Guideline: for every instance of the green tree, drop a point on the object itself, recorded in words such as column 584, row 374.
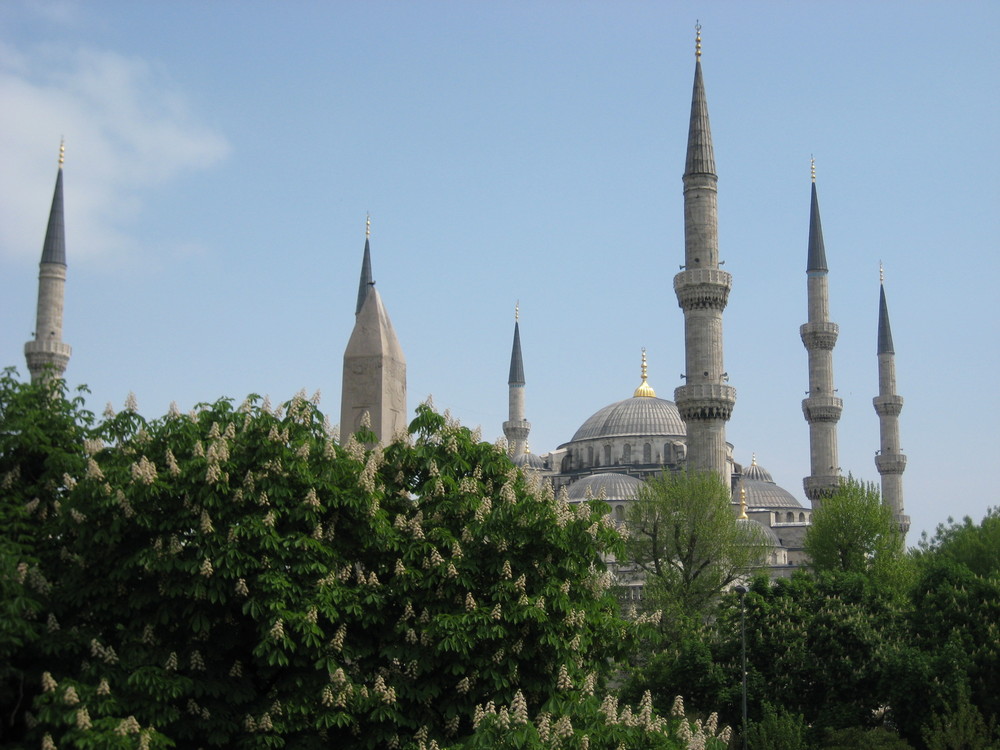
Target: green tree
column 853, row 532
column 235, row 578
column 684, row 537
column 778, row 730
column 977, row 546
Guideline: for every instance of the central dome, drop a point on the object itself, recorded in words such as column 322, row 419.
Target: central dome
column 639, row 415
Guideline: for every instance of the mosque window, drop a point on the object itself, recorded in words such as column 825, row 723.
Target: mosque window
column 619, row 513
column 790, row 517
column 627, row 453
column 590, row 455
column 802, row 517
column 647, row 454
column 607, row 455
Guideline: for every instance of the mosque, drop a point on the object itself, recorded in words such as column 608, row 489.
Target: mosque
column 620, row 445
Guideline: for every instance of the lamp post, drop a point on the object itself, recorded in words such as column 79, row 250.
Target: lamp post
column 742, row 591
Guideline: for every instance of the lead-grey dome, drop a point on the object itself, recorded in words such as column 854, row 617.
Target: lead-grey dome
column 615, row 486
column 640, row 415
column 762, row 494
column 528, row 460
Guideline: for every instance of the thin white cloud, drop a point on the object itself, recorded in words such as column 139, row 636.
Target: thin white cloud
column 127, row 128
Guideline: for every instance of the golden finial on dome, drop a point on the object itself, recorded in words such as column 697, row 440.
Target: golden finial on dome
column 645, row 390
column 812, row 167
column 527, row 448
column 753, row 459
column 368, row 226
column 697, row 40
column 743, row 502
column 62, row 152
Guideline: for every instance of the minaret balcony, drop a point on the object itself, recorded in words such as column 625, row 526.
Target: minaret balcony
column 820, row 335
column 890, row 463
column 44, row 349
column 888, row 406
column 822, row 408
column 818, row 487
column 703, row 288
column 705, row 401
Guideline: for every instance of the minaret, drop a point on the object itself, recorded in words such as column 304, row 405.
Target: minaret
column 48, row 355
column 374, row 365
column 706, row 402
column 889, row 461
column 516, row 428
column 821, row 408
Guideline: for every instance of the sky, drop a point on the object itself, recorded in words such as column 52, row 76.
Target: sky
column 221, row 159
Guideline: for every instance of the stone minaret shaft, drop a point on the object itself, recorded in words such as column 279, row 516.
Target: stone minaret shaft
column 374, row 367
column 821, row 408
column 48, row 354
column 516, row 428
column 706, row 401
column 889, row 461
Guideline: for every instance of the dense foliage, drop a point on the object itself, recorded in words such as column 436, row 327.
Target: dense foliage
column 233, row 577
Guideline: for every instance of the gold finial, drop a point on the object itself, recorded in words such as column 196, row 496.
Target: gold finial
column 812, row 167
column 753, row 459
column 527, row 448
column 517, row 311
column 881, row 273
column 697, row 40
column 62, row 152
column 368, row 226
column 743, row 502
column 645, row 390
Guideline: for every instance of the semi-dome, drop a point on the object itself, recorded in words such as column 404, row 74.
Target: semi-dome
column 529, row 460
column 615, row 487
column 762, row 492
column 761, row 529
column 639, row 415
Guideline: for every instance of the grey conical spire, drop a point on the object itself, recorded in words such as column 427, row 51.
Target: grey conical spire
column 700, row 156
column 54, row 249
column 366, row 282
column 516, row 376
column 817, row 252
column 884, row 331
column 47, row 355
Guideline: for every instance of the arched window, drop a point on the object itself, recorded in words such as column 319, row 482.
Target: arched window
column 790, row 517
column 647, row 454
column 777, row 518
column 607, row 455
column 619, row 513
column 802, row 517
column 590, row 455
column 627, row 453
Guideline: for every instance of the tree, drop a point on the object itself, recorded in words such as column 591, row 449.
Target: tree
column 853, row 532
column 233, row 577
column 977, row 546
column 685, row 539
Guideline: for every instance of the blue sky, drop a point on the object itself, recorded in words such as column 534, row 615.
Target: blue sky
column 221, row 159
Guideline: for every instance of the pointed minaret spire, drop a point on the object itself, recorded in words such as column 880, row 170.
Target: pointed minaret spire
column 366, row 283
column 822, row 408
column 516, row 428
column 374, row 380
column 890, row 460
column 706, row 401
column 47, row 355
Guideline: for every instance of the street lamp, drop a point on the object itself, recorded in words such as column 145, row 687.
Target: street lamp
column 742, row 591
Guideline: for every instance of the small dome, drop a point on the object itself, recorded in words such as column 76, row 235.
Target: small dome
column 768, row 532
column 756, row 471
column 768, row 495
column 528, row 460
column 644, row 416
column 615, row 486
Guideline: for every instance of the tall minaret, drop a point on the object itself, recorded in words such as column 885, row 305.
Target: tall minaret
column 48, row 354
column 889, row 461
column 374, row 365
column 821, row 408
column 706, row 401
column 516, row 428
